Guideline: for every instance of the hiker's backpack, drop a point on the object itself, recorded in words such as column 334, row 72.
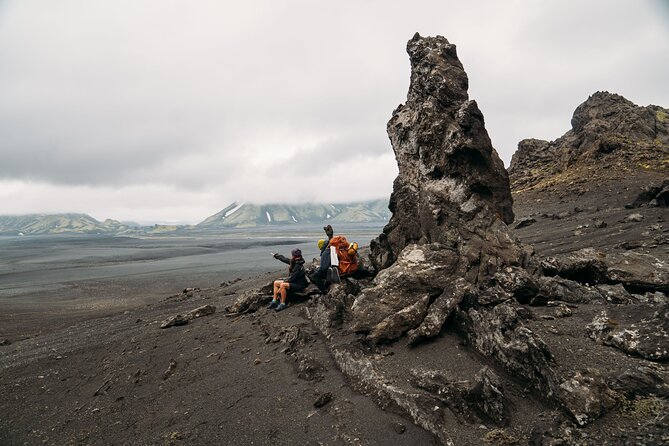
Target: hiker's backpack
column 347, row 255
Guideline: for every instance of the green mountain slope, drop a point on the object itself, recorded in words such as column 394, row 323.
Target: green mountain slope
column 58, row 224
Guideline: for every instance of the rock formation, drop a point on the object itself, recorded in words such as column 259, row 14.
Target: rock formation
column 451, row 202
column 448, row 259
column 606, row 129
column 451, row 187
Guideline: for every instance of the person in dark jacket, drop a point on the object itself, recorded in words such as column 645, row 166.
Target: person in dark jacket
column 296, row 281
column 318, row 277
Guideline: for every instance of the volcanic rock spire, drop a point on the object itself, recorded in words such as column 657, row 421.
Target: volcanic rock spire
column 451, row 181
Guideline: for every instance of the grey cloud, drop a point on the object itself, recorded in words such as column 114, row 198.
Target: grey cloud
column 219, row 96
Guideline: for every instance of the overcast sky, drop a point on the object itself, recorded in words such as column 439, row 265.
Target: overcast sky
column 170, row 110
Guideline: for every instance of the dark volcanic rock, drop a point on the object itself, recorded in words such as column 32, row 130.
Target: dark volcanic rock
column 605, row 128
column 635, row 271
column 499, row 333
column 422, row 271
column 654, row 196
column 640, row 381
column 451, row 183
column 479, row 399
column 647, row 337
column 450, row 203
column 586, row 396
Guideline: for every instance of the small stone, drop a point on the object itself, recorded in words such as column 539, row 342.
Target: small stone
column 323, row 400
column 257, row 361
column 174, row 321
column 634, row 218
column 399, row 427
column 204, row 310
column 563, row 311
column 599, row 224
column 5, row 342
column 524, row 222
column 170, row 369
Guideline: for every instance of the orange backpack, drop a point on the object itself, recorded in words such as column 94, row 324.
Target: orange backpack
column 346, row 253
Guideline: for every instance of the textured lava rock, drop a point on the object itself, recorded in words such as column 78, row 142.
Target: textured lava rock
column 451, row 184
column 586, row 396
column 653, row 196
column 635, row 271
column 647, row 337
column 499, row 333
column 421, row 271
column 481, row 399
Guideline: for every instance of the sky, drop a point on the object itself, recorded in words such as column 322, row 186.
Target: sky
column 168, row 111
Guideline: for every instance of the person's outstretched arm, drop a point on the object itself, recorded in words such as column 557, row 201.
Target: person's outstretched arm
column 329, row 231
column 282, row 258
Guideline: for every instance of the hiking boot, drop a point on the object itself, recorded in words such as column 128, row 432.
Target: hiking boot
column 272, row 304
column 280, row 307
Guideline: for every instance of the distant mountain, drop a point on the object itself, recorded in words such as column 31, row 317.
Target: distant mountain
column 242, row 215
column 58, row 224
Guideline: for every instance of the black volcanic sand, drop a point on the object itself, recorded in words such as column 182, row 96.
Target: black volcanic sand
column 238, row 380
column 103, row 381
column 51, row 282
column 566, row 216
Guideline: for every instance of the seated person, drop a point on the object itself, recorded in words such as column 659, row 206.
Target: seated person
column 318, row 277
column 297, row 280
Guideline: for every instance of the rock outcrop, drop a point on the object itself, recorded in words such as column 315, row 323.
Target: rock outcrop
column 606, row 129
column 452, row 187
column 451, row 202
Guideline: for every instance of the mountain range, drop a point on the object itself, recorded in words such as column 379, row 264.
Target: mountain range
column 243, row 215
column 236, row 215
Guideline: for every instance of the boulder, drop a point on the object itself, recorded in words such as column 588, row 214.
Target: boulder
column 635, row 271
column 638, row 271
column 586, row 396
column 420, row 271
column 640, row 381
column 481, row 399
column 204, row 310
column 179, row 319
column 653, row 195
column 174, row 321
column 524, row 222
column 648, row 337
column 634, row 218
column 564, row 290
column 500, row 334
column 615, row 294
column 251, row 300
column 518, row 282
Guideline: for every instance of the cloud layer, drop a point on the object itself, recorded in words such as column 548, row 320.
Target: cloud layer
column 169, row 110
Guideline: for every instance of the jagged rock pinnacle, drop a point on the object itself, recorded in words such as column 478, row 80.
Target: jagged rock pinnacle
column 451, row 181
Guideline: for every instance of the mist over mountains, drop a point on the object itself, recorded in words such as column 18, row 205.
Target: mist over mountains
column 236, row 215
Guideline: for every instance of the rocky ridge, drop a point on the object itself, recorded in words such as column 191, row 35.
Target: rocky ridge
column 607, row 131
